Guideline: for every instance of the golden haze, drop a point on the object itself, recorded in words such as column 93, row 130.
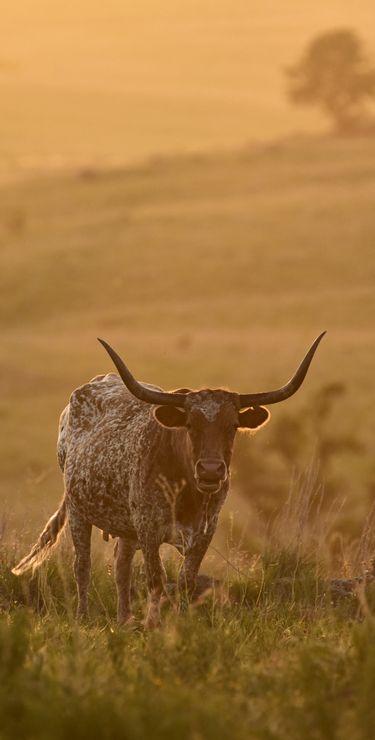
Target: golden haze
column 215, row 269
column 121, row 81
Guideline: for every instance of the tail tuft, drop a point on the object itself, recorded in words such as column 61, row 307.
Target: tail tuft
column 47, row 539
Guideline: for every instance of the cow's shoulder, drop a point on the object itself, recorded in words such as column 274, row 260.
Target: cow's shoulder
column 101, row 406
column 104, row 399
column 85, row 407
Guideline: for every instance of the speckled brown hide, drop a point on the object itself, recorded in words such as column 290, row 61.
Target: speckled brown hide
column 128, row 472
column 133, row 478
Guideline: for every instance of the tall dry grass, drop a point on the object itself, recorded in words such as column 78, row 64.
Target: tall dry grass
column 265, row 654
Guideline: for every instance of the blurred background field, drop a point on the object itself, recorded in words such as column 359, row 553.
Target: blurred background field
column 80, row 82
column 214, row 270
column 158, row 189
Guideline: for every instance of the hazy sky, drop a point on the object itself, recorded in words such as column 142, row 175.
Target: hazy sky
column 120, row 80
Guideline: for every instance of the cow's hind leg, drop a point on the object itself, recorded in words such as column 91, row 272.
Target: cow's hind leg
column 124, row 553
column 81, row 536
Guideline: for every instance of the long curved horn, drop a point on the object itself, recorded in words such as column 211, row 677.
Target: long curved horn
column 140, row 391
column 254, row 399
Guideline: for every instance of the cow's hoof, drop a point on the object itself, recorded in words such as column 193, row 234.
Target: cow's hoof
column 82, row 616
column 205, row 584
column 128, row 621
column 152, row 622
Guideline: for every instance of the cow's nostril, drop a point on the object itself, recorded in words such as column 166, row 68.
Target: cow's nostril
column 210, row 469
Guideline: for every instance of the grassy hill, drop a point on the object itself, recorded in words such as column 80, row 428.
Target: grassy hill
column 213, row 270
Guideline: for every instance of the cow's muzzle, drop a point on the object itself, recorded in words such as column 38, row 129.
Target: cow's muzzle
column 210, row 474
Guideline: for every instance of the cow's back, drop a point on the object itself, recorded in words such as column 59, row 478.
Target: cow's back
column 101, row 423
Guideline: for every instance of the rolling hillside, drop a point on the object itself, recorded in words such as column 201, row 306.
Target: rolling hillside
column 213, row 270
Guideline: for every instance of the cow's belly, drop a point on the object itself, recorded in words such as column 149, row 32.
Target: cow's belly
column 103, row 509
column 117, row 524
column 115, row 520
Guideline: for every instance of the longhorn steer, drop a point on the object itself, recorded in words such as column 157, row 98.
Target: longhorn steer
column 147, row 467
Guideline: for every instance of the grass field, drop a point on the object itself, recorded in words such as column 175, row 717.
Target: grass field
column 214, row 270
column 271, row 653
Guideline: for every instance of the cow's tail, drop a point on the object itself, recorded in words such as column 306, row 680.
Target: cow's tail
column 46, row 540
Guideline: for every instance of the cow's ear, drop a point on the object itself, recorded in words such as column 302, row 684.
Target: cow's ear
column 170, row 416
column 254, row 418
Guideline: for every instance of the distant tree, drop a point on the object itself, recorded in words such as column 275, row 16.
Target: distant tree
column 335, row 74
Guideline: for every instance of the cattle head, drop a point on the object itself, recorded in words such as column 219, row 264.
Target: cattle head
column 210, row 418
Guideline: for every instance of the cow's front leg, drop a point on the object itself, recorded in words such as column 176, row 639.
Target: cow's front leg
column 124, row 553
column 193, row 558
column 81, row 536
column 156, row 579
